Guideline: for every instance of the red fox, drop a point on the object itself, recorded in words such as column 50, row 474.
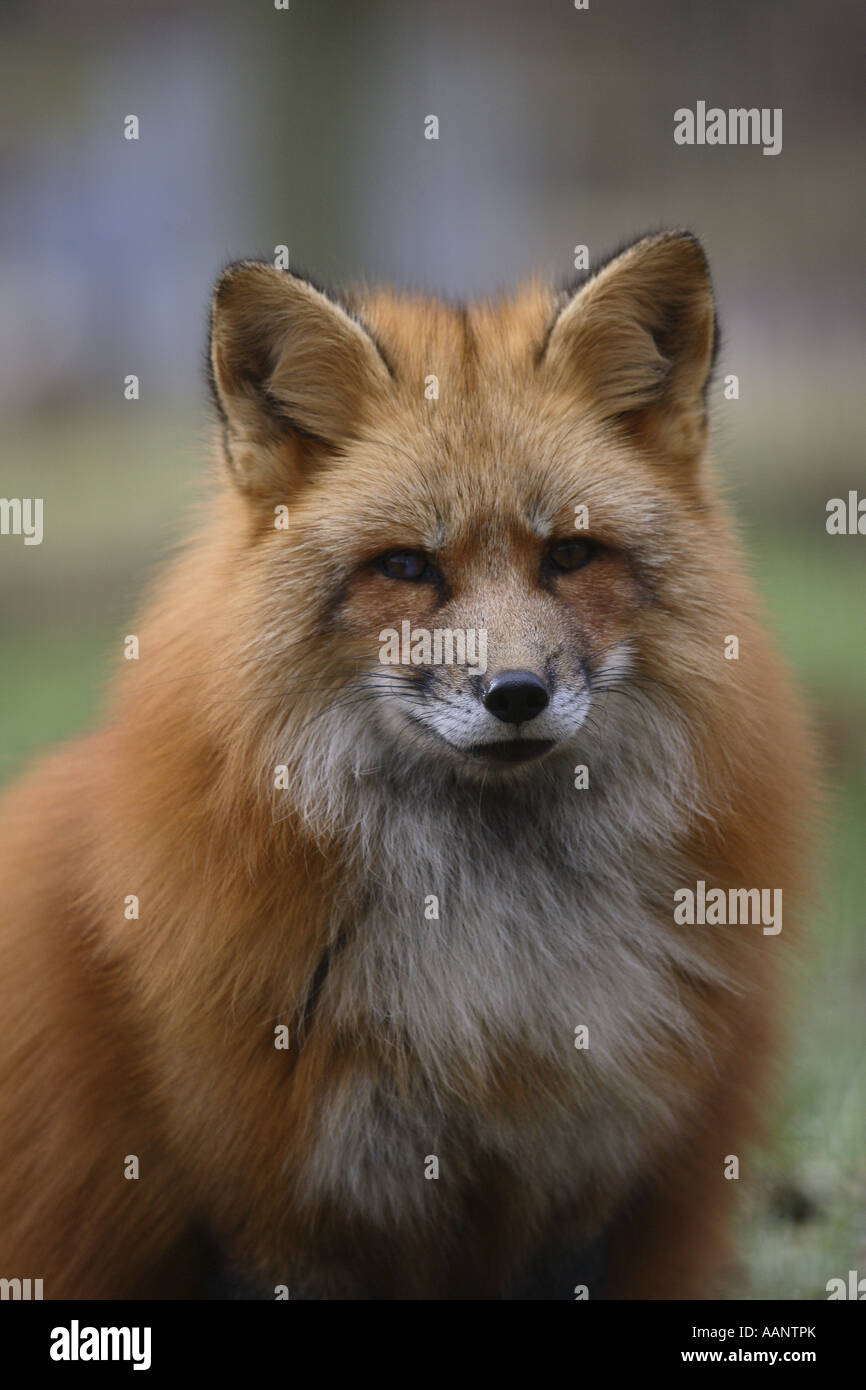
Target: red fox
column 351, row 972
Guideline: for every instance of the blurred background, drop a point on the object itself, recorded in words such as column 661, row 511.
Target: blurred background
column 305, row 128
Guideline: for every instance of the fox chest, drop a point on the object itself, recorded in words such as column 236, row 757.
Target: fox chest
column 510, row 1041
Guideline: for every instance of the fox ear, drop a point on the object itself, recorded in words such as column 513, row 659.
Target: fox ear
column 638, row 341
column 292, row 372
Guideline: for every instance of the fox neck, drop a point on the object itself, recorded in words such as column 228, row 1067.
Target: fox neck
column 476, row 900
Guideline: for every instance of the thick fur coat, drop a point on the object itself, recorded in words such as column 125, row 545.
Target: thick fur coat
column 319, row 854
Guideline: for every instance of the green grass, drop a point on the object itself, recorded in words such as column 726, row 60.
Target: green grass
column 52, row 687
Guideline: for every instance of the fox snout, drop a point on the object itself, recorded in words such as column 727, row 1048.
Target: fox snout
column 511, row 714
column 515, row 697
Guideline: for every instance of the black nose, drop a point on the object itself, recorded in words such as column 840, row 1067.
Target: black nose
column 515, row 696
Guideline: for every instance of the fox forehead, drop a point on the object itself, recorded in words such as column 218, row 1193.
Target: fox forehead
column 499, row 470
column 464, row 435
column 470, row 439
column 487, row 337
column 540, row 413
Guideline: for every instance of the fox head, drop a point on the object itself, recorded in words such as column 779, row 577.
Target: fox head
column 474, row 537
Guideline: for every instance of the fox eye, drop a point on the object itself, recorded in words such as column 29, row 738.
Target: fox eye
column 571, row 554
column 411, row 565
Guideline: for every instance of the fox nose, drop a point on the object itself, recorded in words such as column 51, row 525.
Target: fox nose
column 516, row 696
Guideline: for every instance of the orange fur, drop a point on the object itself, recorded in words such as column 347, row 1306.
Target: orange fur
column 155, row 1037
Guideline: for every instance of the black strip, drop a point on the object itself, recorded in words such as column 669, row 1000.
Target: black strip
column 328, row 959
